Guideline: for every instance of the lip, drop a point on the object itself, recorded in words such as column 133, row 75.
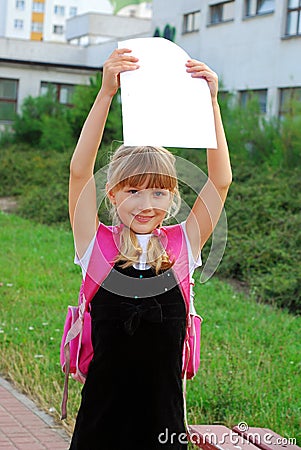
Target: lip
column 143, row 219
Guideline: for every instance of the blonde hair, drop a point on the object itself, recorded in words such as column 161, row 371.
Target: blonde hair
column 136, row 166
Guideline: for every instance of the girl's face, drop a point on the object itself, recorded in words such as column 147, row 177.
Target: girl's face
column 141, row 208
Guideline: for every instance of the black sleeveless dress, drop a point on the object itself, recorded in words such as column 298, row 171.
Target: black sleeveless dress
column 132, row 398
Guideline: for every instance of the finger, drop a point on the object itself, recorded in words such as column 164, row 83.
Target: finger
column 194, row 62
column 117, row 59
column 120, row 51
column 192, row 65
column 128, row 58
column 198, row 68
column 205, row 74
column 123, row 62
column 116, row 64
column 117, row 68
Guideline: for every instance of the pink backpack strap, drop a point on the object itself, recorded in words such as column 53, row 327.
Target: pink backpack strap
column 176, row 248
column 104, row 252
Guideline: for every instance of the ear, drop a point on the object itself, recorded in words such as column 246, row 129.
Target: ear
column 111, row 195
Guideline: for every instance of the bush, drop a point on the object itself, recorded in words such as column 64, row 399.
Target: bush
column 39, row 179
column 56, row 135
column 287, row 142
column 263, row 249
column 83, row 99
column 43, row 123
column 45, row 204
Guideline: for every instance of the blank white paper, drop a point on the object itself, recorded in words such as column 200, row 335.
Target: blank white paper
column 162, row 105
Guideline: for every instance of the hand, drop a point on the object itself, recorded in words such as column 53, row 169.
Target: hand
column 200, row 70
column 119, row 61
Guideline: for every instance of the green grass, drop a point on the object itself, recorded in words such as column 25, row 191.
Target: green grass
column 250, row 358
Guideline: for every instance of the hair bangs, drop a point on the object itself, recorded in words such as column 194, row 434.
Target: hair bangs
column 150, row 180
column 146, row 167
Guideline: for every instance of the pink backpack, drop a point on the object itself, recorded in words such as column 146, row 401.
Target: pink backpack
column 76, row 346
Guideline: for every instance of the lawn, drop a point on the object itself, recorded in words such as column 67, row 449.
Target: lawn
column 250, row 358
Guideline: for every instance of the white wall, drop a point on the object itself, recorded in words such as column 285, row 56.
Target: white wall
column 32, row 62
column 83, row 6
column 45, row 52
column 246, row 53
column 9, row 13
column 142, row 10
column 2, row 17
column 30, row 78
column 105, row 25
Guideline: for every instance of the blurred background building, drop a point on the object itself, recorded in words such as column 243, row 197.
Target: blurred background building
column 254, row 45
column 44, row 19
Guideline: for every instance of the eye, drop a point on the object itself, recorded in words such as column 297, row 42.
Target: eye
column 160, row 193
column 132, row 191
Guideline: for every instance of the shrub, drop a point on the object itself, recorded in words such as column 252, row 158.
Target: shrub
column 56, row 134
column 288, row 141
column 83, row 99
column 45, row 204
column 263, row 249
column 43, row 123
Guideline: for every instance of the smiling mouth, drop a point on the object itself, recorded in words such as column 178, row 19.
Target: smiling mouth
column 143, row 219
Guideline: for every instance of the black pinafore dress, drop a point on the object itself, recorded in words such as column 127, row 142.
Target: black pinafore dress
column 132, row 398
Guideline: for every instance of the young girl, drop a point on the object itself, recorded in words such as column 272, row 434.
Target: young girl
column 132, row 398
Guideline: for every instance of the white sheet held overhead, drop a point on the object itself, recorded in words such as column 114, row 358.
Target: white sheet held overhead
column 162, row 105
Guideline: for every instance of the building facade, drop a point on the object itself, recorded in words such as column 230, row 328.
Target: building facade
column 28, row 67
column 44, row 19
column 252, row 44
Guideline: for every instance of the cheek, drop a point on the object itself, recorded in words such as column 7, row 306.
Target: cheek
column 166, row 204
column 124, row 204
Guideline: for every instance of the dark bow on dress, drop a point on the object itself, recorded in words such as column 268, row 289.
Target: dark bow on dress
column 149, row 310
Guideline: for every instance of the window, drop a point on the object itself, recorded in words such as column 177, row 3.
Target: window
column 265, row 6
column 59, row 10
column 259, row 94
column 63, row 92
column 287, row 97
column 38, row 7
column 8, row 99
column 37, row 27
column 293, row 22
column 191, row 22
column 258, row 7
column 20, row 4
column 72, row 11
column 18, row 24
column 222, row 12
column 248, row 8
column 58, row 29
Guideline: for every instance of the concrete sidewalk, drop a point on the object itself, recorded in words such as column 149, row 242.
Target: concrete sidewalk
column 24, row 427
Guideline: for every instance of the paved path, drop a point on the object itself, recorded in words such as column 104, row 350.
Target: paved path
column 24, row 427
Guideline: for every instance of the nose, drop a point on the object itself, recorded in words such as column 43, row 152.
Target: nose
column 145, row 201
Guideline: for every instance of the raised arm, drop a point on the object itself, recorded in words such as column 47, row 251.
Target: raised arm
column 82, row 195
column 210, row 201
